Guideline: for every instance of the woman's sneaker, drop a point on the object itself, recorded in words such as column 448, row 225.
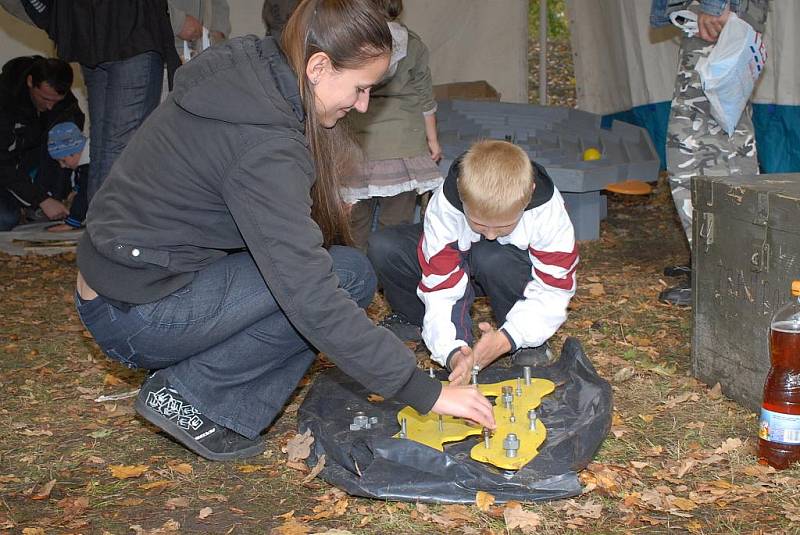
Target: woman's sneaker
column 161, row 405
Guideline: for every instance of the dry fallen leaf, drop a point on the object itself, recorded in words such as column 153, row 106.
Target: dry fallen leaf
column 516, row 517
column 44, row 491
column 729, row 445
column 484, row 500
column 205, row 512
column 646, row 418
column 125, row 472
column 316, row 470
column 158, row 484
column 292, row 527
column 595, row 289
column 112, row 380
column 624, row 374
column 170, row 526
column 33, row 531
column 250, row 468
column 299, row 447
column 176, row 503
column 716, row 392
column 682, row 503
column 182, row 468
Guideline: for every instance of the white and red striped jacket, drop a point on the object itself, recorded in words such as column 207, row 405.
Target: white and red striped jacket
column 544, row 230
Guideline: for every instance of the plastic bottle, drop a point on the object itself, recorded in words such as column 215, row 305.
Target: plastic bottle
column 779, row 428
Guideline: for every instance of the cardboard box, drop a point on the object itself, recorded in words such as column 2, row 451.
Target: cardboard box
column 478, row 90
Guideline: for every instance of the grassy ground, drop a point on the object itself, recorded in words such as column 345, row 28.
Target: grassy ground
column 680, row 456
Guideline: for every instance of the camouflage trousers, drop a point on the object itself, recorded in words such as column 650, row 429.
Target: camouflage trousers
column 696, row 144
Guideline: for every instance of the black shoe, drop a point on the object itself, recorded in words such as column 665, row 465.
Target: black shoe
column 533, row 356
column 165, row 408
column 678, row 271
column 680, row 295
column 401, row 328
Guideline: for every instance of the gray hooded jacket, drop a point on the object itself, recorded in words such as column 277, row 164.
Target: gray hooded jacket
column 223, row 164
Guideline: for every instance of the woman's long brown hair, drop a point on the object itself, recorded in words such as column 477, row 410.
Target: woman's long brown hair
column 350, row 32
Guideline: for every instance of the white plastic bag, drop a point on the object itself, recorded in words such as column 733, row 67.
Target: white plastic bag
column 731, row 70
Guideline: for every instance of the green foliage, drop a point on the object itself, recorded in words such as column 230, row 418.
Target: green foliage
column 557, row 26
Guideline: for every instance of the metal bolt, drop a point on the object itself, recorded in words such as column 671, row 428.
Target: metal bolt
column 430, row 372
column 511, row 445
column 526, row 373
column 360, row 421
column 403, row 428
column 532, row 418
column 519, row 386
column 508, row 396
column 475, row 370
column 486, row 437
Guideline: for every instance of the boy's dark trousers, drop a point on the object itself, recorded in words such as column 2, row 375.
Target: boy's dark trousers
column 497, row 271
column 80, row 204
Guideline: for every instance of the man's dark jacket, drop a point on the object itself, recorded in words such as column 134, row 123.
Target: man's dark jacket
column 224, row 164
column 23, row 137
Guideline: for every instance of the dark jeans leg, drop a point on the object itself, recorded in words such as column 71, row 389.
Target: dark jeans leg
column 222, row 340
column 9, row 210
column 501, row 273
column 393, row 253
column 125, row 92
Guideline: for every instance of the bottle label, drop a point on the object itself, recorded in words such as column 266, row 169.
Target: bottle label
column 779, row 427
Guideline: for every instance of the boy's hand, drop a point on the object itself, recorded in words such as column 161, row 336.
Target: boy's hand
column 465, row 401
column 461, row 362
column 491, row 345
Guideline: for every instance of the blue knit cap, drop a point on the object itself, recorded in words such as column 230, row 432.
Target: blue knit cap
column 64, row 140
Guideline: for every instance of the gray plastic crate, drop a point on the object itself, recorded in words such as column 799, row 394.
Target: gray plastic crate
column 555, row 138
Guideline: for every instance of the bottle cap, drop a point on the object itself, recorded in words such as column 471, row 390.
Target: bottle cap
column 796, row 288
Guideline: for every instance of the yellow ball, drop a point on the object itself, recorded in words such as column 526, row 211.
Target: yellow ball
column 591, row 154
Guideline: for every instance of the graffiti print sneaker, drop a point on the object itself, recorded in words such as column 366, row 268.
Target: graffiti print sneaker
column 162, row 405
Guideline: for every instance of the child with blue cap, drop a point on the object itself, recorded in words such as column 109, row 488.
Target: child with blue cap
column 68, row 146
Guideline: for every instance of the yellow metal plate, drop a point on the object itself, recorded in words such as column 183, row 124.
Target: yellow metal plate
column 435, row 431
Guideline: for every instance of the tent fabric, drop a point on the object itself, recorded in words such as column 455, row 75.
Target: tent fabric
column 470, row 41
column 370, row 463
column 626, row 70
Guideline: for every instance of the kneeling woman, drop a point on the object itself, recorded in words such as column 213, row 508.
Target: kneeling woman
column 208, row 255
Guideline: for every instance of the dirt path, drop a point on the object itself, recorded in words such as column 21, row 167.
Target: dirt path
column 679, row 456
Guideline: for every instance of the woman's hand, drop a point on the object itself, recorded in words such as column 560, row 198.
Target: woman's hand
column 467, row 402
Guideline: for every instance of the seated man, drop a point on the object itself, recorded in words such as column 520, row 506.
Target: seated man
column 498, row 226
column 34, row 96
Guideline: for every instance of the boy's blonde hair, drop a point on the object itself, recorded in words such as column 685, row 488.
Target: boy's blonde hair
column 496, row 179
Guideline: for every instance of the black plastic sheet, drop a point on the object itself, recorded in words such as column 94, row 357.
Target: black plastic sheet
column 370, row 463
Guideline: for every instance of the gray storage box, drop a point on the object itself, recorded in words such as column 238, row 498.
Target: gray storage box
column 555, row 138
column 746, row 252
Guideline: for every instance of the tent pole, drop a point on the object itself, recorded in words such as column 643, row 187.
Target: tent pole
column 543, row 52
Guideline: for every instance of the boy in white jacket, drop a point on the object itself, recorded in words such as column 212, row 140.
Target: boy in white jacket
column 497, row 227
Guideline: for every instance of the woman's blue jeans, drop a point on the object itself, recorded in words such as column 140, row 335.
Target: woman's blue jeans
column 222, row 340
